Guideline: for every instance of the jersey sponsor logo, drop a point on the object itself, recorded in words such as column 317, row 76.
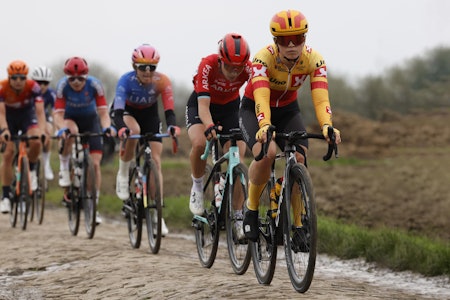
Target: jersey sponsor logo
column 298, row 79
column 205, row 74
column 260, row 117
column 321, row 72
column 320, row 63
column 328, row 109
column 259, row 70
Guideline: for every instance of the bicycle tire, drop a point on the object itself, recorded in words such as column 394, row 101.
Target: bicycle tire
column 264, row 250
column 38, row 201
column 13, row 211
column 73, row 205
column 206, row 226
column 133, row 209
column 89, row 197
column 23, row 203
column 238, row 251
column 300, row 253
column 153, row 207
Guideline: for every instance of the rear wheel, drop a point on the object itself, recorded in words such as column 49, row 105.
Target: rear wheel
column 264, row 250
column 134, row 210
column 238, row 250
column 206, row 226
column 89, row 198
column 38, row 201
column 152, row 207
column 300, row 229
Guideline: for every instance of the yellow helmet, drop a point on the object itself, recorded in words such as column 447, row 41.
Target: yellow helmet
column 288, row 22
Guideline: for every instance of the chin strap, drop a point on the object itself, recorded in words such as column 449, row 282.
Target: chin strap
column 291, row 60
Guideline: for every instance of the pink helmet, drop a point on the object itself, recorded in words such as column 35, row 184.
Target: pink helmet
column 145, row 54
column 76, row 66
column 234, row 50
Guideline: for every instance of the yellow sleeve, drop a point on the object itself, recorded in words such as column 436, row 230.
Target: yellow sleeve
column 322, row 106
column 262, row 105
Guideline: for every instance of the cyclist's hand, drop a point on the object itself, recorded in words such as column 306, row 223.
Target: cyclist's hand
column 173, row 130
column 4, row 135
column 110, row 131
column 261, row 135
column 337, row 134
column 63, row 133
column 123, row 133
column 212, row 131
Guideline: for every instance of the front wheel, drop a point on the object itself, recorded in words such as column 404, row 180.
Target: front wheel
column 235, row 195
column 23, row 199
column 89, row 196
column 206, row 226
column 300, row 228
column 152, row 206
column 38, row 201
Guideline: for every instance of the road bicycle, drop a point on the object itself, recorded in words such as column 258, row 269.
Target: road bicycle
column 145, row 193
column 23, row 198
column 82, row 191
column 218, row 217
column 287, row 215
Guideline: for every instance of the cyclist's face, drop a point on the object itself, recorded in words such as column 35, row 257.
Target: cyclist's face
column 145, row 73
column 77, row 83
column 290, row 47
column 231, row 72
column 17, row 81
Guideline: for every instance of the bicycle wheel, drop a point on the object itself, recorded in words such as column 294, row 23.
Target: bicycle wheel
column 23, row 202
column 206, row 226
column 89, row 197
column 152, row 206
column 133, row 209
column 72, row 199
column 13, row 198
column 300, row 242
column 238, row 250
column 264, row 250
column 38, row 201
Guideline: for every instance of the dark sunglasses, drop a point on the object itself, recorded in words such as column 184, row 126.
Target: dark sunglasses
column 41, row 82
column 19, row 76
column 295, row 39
column 79, row 78
column 144, row 67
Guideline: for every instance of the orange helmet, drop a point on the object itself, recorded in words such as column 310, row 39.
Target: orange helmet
column 145, row 54
column 17, row 67
column 288, row 22
column 76, row 66
column 234, row 50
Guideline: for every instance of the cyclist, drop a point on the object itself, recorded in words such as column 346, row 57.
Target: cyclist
column 43, row 76
column 270, row 97
column 81, row 107
column 215, row 100
column 135, row 111
column 21, row 109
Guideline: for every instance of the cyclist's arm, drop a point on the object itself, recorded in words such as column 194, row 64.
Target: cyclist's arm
column 103, row 114
column 40, row 114
column 165, row 87
column 203, row 110
column 261, row 94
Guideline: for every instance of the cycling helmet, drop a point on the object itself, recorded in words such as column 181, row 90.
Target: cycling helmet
column 17, row 67
column 145, row 54
column 76, row 66
column 234, row 50
column 42, row 73
column 288, row 22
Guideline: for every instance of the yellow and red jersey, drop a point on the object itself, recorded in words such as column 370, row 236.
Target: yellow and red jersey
column 272, row 82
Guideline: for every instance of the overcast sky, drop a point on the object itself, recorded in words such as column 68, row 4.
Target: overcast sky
column 356, row 38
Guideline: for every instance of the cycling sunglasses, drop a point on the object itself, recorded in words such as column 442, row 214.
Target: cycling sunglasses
column 146, row 67
column 79, row 78
column 18, row 76
column 42, row 82
column 295, row 39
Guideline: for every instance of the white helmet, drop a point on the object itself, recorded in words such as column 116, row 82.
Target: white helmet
column 42, row 73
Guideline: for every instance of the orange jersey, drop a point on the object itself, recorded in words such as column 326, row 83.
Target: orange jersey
column 30, row 94
column 270, row 73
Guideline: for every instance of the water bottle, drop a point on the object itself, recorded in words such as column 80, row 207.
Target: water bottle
column 275, row 195
column 218, row 189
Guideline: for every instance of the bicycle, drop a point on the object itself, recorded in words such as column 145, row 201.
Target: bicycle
column 145, row 193
column 81, row 193
column 276, row 218
column 23, row 197
column 215, row 217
